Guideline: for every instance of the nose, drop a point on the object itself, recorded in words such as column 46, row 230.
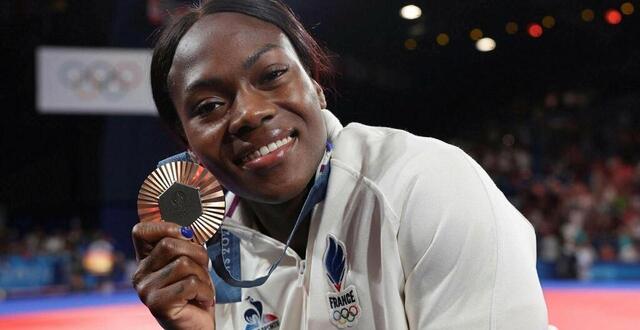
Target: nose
column 249, row 111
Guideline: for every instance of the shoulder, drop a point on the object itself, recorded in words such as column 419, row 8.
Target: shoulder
column 429, row 185
column 370, row 148
column 183, row 156
column 396, row 160
column 457, row 233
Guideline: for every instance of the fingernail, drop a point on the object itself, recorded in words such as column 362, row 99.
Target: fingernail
column 187, row 232
column 207, row 304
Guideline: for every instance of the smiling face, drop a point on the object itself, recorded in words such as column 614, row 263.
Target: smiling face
column 248, row 108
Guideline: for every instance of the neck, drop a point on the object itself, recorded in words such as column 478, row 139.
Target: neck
column 277, row 220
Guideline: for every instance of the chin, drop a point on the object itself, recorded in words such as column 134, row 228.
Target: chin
column 272, row 191
column 280, row 195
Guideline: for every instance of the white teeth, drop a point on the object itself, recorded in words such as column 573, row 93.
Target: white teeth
column 265, row 150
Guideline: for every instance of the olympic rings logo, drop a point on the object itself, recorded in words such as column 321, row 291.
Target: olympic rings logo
column 111, row 80
column 346, row 314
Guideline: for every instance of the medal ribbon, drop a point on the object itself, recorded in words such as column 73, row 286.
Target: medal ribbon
column 315, row 196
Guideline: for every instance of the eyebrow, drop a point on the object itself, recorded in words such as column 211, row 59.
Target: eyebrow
column 203, row 84
column 251, row 60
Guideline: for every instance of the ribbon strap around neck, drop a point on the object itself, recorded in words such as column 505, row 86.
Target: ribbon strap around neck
column 315, row 196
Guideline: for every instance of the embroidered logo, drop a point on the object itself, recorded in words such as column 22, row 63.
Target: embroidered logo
column 256, row 320
column 344, row 306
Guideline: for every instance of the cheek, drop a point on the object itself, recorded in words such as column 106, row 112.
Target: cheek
column 204, row 138
column 306, row 104
column 312, row 112
column 301, row 89
column 311, row 97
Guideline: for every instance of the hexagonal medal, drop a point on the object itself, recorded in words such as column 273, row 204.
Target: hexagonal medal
column 184, row 193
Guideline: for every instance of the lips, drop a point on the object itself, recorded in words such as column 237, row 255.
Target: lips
column 267, row 149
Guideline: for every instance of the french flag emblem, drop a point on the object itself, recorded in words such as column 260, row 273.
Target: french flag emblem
column 335, row 262
column 343, row 303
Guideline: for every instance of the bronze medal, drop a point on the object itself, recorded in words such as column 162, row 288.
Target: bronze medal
column 184, row 193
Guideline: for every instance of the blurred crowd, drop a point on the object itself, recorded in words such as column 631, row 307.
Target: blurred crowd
column 73, row 260
column 576, row 177
column 591, row 218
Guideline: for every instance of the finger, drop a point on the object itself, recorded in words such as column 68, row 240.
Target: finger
column 177, row 270
column 146, row 234
column 169, row 249
column 166, row 302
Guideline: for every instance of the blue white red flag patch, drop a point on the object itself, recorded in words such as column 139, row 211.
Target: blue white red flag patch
column 344, row 306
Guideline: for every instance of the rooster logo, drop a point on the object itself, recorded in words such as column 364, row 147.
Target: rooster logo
column 255, row 320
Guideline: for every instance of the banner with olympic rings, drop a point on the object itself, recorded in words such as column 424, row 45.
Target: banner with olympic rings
column 93, row 81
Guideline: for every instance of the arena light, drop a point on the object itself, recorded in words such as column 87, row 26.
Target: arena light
column 410, row 12
column 410, row 44
column 98, row 261
column 612, row 16
column 587, row 15
column 534, row 30
column 485, row 45
column 511, row 28
column 548, row 22
column 442, row 39
column 476, row 34
column 627, row 8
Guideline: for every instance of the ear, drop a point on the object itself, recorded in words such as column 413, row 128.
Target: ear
column 320, row 94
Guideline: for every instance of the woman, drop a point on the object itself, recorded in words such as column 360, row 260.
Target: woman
column 398, row 231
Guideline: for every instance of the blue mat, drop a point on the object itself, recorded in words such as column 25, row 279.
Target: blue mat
column 11, row 307
column 579, row 285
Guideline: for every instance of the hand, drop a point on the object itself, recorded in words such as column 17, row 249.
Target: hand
column 172, row 278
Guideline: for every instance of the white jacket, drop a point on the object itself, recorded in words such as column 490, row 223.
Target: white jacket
column 412, row 234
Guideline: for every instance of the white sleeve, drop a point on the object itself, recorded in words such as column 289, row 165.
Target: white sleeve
column 468, row 255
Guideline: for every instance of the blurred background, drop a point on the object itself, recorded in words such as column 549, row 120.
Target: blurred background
column 544, row 94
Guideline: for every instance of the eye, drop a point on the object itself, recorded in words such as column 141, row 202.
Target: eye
column 274, row 72
column 207, row 106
